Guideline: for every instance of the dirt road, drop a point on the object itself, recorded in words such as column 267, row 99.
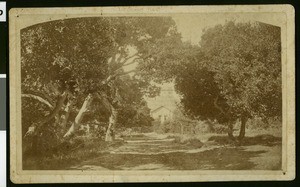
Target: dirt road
column 151, row 153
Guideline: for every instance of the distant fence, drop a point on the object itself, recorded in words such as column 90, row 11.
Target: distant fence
column 182, row 127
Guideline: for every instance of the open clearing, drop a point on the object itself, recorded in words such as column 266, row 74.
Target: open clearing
column 156, row 153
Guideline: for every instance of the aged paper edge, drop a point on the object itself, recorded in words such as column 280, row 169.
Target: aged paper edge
column 17, row 175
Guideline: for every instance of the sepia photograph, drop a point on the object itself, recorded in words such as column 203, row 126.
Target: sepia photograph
column 137, row 94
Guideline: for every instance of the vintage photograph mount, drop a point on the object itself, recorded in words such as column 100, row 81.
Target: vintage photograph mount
column 152, row 94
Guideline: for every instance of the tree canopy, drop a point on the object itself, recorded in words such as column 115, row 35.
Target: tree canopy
column 234, row 73
column 73, row 71
column 73, row 68
column 237, row 74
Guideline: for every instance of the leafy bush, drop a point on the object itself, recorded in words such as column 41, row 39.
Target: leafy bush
column 220, row 129
column 194, row 142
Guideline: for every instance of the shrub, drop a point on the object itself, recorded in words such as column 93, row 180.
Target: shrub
column 194, row 142
column 220, row 129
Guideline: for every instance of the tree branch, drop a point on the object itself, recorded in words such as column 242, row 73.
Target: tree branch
column 39, row 94
column 118, row 60
column 111, row 77
column 127, row 72
column 84, row 108
column 108, row 79
column 42, row 100
column 132, row 62
column 129, row 57
column 113, row 59
column 33, row 128
column 57, row 108
column 123, row 63
column 103, row 98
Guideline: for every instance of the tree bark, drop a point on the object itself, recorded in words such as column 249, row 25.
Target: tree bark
column 230, row 131
column 181, row 128
column 57, row 108
column 243, row 128
column 110, row 136
column 40, row 99
column 80, row 115
column 66, row 115
column 32, row 129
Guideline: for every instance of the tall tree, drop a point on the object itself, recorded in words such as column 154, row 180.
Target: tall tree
column 64, row 59
column 237, row 74
column 73, row 61
column 234, row 73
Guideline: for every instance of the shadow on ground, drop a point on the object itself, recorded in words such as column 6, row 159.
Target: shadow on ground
column 219, row 158
column 222, row 155
column 261, row 152
column 265, row 140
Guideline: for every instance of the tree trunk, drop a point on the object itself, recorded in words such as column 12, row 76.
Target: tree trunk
column 80, row 115
column 230, row 131
column 181, row 129
column 110, row 136
column 33, row 128
column 243, row 128
column 57, row 108
column 66, row 115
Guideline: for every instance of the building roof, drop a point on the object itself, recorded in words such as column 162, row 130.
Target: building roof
column 159, row 108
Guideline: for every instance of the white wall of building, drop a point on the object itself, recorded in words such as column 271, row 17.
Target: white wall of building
column 162, row 114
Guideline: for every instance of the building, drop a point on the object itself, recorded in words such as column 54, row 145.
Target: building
column 167, row 97
column 162, row 114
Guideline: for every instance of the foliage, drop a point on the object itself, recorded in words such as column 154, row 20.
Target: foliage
column 71, row 54
column 246, row 61
column 83, row 56
column 236, row 71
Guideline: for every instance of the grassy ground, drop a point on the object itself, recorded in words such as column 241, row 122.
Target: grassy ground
column 213, row 152
column 217, row 158
column 84, row 151
column 185, row 152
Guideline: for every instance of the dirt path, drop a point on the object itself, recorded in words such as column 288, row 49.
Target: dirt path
column 269, row 160
column 152, row 153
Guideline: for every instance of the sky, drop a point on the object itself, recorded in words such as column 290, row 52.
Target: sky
column 191, row 25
